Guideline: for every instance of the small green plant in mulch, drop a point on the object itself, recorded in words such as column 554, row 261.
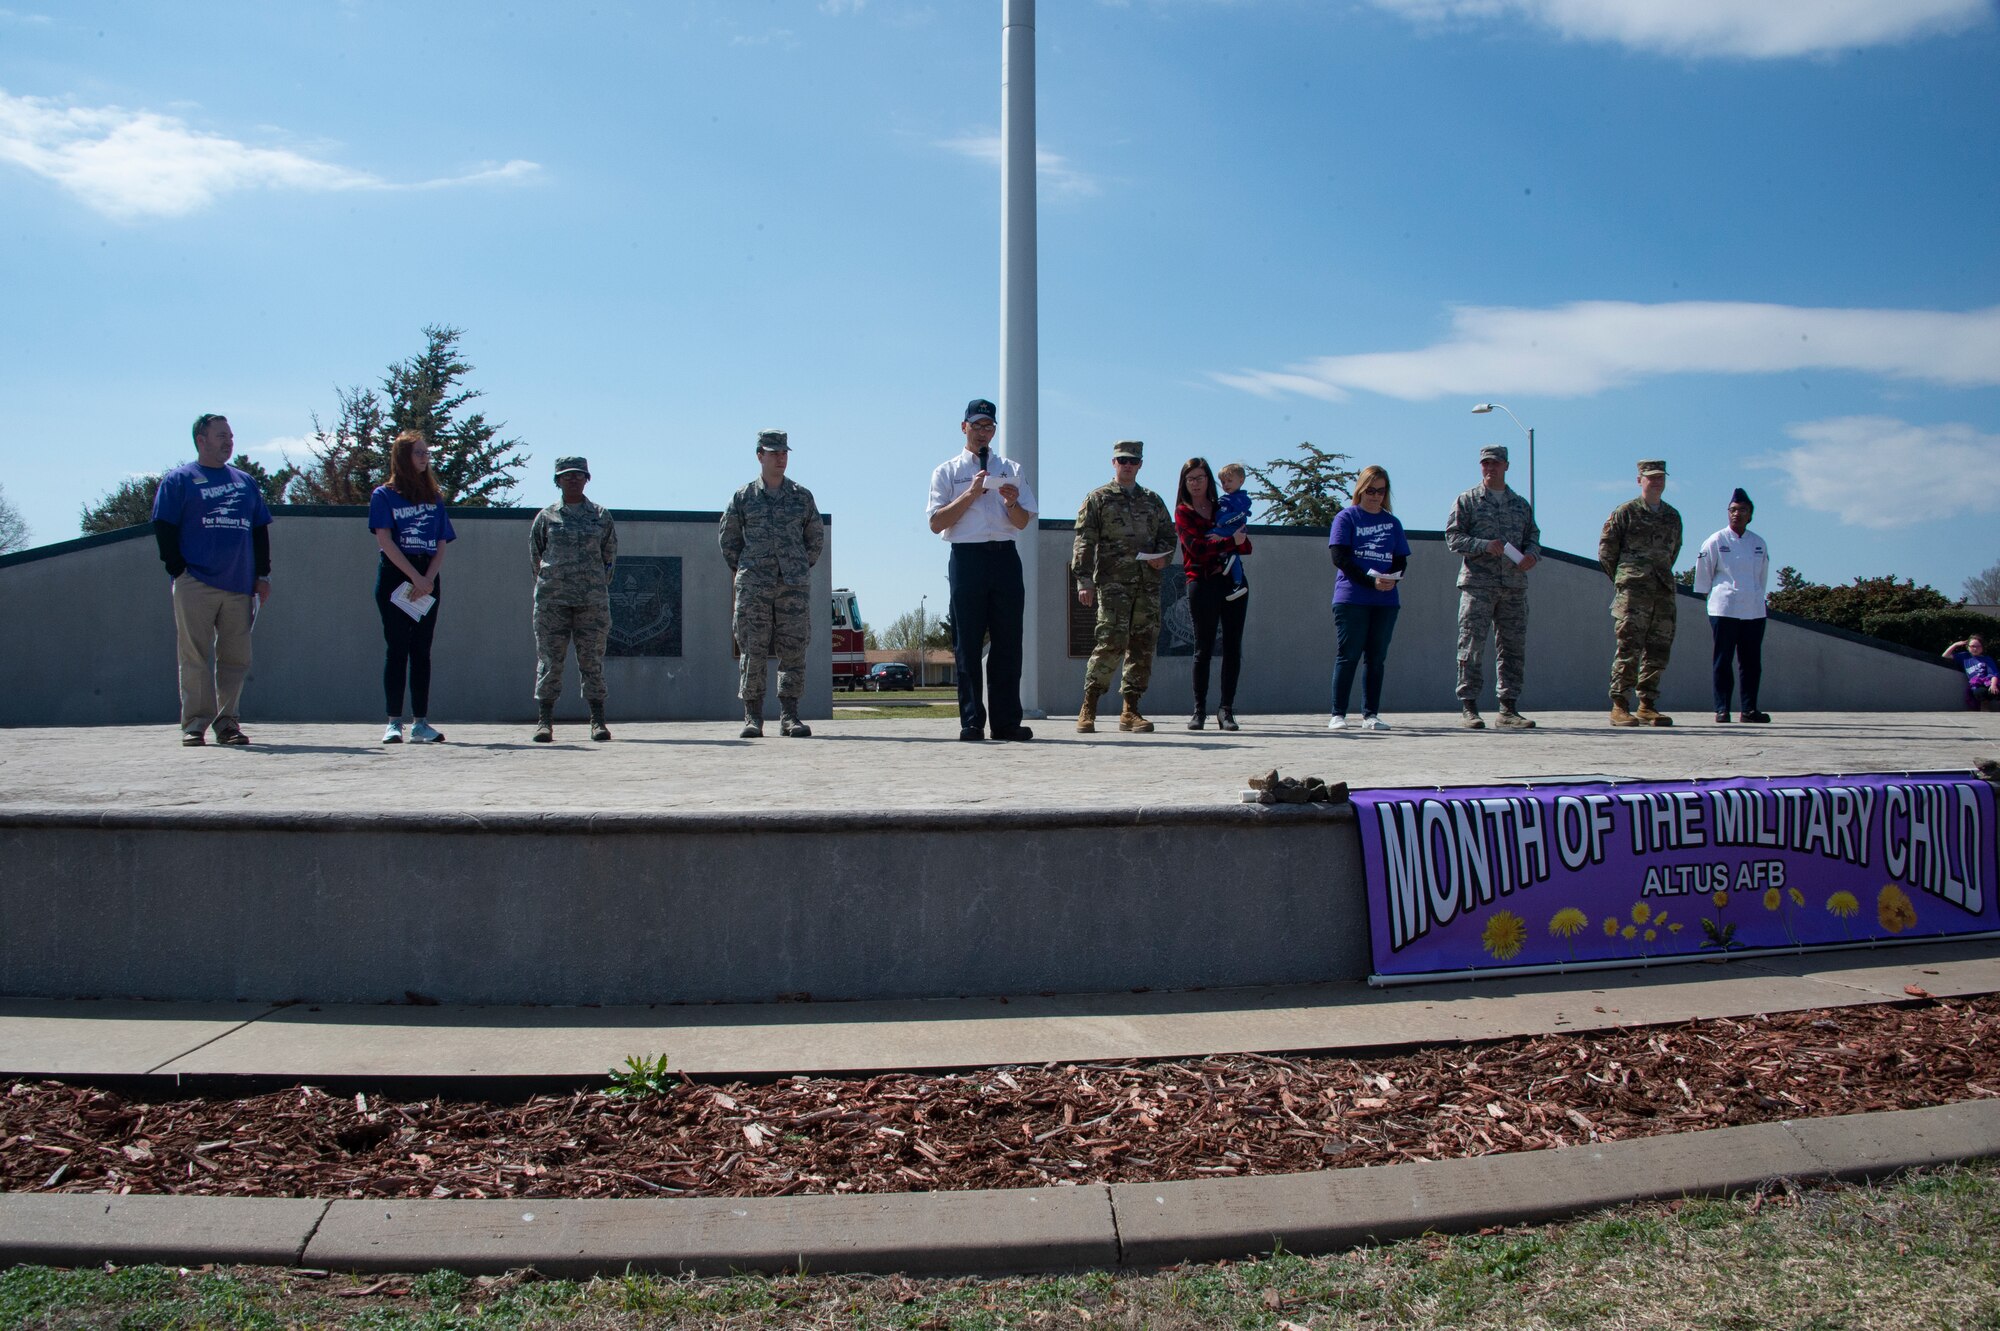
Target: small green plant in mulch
column 641, row 1078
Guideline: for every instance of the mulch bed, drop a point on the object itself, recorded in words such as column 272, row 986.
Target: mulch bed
column 1014, row 1127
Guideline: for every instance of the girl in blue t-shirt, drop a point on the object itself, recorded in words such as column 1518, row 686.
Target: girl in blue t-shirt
column 411, row 527
column 1982, row 676
column 1369, row 552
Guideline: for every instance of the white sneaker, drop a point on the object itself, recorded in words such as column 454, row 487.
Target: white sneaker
column 393, row 734
column 1373, row 722
column 1337, row 723
column 424, row 733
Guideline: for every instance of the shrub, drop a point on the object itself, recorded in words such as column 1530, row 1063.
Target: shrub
column 1932, row 630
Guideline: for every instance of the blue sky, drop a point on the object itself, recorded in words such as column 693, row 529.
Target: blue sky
column 1757, row 240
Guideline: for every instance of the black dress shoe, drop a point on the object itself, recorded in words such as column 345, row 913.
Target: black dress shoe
column 1758, row 718
column 1017, row 735
column 1722, row 718
column 972, row 735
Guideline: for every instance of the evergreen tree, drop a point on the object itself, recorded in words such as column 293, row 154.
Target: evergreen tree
column 349, row 461
column 1306, row 491
column 273, row 484
column 474, row 467
column 129, row 504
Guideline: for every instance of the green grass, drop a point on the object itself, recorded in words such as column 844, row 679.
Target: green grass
column 936, row 710
column 1919, row 1253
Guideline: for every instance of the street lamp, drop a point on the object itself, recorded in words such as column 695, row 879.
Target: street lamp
column 1485, row 407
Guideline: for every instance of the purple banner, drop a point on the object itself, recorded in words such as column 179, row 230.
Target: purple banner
column 1502, row 878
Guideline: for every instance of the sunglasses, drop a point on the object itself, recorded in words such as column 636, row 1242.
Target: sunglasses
column 1376, row 490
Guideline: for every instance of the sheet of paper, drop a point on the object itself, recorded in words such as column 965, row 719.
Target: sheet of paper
column 1513, row 553
column 1153, row 554
column 1388, row 577
column 414, row 608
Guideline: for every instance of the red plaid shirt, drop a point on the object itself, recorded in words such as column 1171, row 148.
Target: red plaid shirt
column 1203, row 556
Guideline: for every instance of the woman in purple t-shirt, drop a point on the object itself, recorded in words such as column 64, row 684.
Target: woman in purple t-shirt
column 1369, row 552
column 412, row 530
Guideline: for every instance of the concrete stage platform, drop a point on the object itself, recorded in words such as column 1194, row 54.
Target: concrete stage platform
column 882, row 859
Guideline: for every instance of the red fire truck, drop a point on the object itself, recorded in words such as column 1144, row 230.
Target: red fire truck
column 850, row 659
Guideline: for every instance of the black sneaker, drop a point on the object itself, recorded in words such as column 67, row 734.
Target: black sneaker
column 1758, row 718
column 1017, row 735
column 1722, row 718
column 969, row 735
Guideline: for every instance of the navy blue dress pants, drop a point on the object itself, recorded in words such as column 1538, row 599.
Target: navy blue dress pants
column 1737, row 641
column 987, row 602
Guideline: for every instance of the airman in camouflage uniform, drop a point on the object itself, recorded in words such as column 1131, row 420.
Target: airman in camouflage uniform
column 1492, row 589
column 1117, row 523
column 772, row 536
column 1637, row 549
column 573, row 543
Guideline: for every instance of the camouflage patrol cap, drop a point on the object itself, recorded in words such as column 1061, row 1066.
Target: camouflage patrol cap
column 1493, row 453
column 1128, row 448
column 773, row 441
column 567, row 465
column 1652, row 467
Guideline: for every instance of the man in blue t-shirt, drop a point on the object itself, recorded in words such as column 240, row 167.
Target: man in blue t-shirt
column 214, row 532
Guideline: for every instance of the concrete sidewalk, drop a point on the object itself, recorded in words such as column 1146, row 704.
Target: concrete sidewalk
column 988, row 1233
column 915, row 763
column 217, row 1044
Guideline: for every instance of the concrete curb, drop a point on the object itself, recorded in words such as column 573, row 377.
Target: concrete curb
column 504, row 822
column 986, row 1233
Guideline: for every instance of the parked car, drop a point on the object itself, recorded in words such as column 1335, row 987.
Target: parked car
column 890, row 675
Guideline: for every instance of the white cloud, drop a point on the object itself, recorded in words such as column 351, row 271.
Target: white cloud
column 132, row 165
column 1582, row 348
column 1052, row 170
column 286, row 448
column 25, row 20
column 1876, row 471
column 1755, row 29
column 838, row 7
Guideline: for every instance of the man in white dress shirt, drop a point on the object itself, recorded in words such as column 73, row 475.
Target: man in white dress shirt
column 979, row 503
column 1732, row 570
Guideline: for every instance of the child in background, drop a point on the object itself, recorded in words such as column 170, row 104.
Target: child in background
column 1982, row 675
column 1232, row 515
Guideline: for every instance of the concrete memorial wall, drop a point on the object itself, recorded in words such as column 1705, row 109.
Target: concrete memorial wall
column 101, row 651
column 102, row 648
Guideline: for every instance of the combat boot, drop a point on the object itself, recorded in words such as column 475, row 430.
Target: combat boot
column 545, row 723
column 789, row 724
column 1086, row 716
column 1130, row 721
column 1621, row 713
column 1468, row 716
column 1646, row 716
column 753, row 721
column 1512, row 720
column 598, row 730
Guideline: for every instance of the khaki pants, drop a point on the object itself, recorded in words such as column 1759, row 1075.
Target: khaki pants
column 213, row 627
